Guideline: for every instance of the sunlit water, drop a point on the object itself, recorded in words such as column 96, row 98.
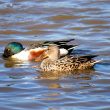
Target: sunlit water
column 29, row 21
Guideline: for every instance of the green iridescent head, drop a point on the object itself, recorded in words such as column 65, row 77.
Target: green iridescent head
column 12, row 48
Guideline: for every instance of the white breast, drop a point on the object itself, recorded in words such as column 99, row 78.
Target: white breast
column 23, row 55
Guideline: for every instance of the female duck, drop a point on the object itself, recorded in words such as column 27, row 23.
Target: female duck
column 53, row 62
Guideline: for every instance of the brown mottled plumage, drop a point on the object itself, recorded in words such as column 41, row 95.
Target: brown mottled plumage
column 67, row 63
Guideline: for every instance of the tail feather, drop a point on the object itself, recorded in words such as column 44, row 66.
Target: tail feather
column 97, row 61
column 68, row 47
column 71, row 48
column 89, row 57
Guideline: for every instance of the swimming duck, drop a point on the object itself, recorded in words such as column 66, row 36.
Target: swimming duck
column 53, row 62
column 15, row 50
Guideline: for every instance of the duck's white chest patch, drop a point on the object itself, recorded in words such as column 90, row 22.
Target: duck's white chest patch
column 23, row 55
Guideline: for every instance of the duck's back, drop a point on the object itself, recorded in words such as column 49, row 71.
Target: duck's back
column 70, row 63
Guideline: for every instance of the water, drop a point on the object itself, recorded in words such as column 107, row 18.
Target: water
column 88, row 22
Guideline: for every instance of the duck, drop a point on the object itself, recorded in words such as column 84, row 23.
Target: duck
column 15, row 50
column 53, row 62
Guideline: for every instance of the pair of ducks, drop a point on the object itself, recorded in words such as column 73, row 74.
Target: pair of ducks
column 53, row 57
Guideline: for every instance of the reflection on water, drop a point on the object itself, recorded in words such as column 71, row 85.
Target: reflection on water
column 86, row 74
column 88, row 22
column 9, row 63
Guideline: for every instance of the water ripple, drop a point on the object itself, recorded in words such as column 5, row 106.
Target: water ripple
column 28, row 22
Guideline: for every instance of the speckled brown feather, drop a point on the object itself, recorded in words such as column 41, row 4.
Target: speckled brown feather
column 69, row 63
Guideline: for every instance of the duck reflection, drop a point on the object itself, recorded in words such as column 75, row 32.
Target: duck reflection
column 67, row 81
column 9, row 63
column 78, row 74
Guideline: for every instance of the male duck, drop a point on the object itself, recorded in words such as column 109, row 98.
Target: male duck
column 53, row 62
column 15, row 50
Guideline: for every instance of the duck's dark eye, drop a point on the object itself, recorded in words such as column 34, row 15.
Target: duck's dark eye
column 48, row 49
column 7, row 50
